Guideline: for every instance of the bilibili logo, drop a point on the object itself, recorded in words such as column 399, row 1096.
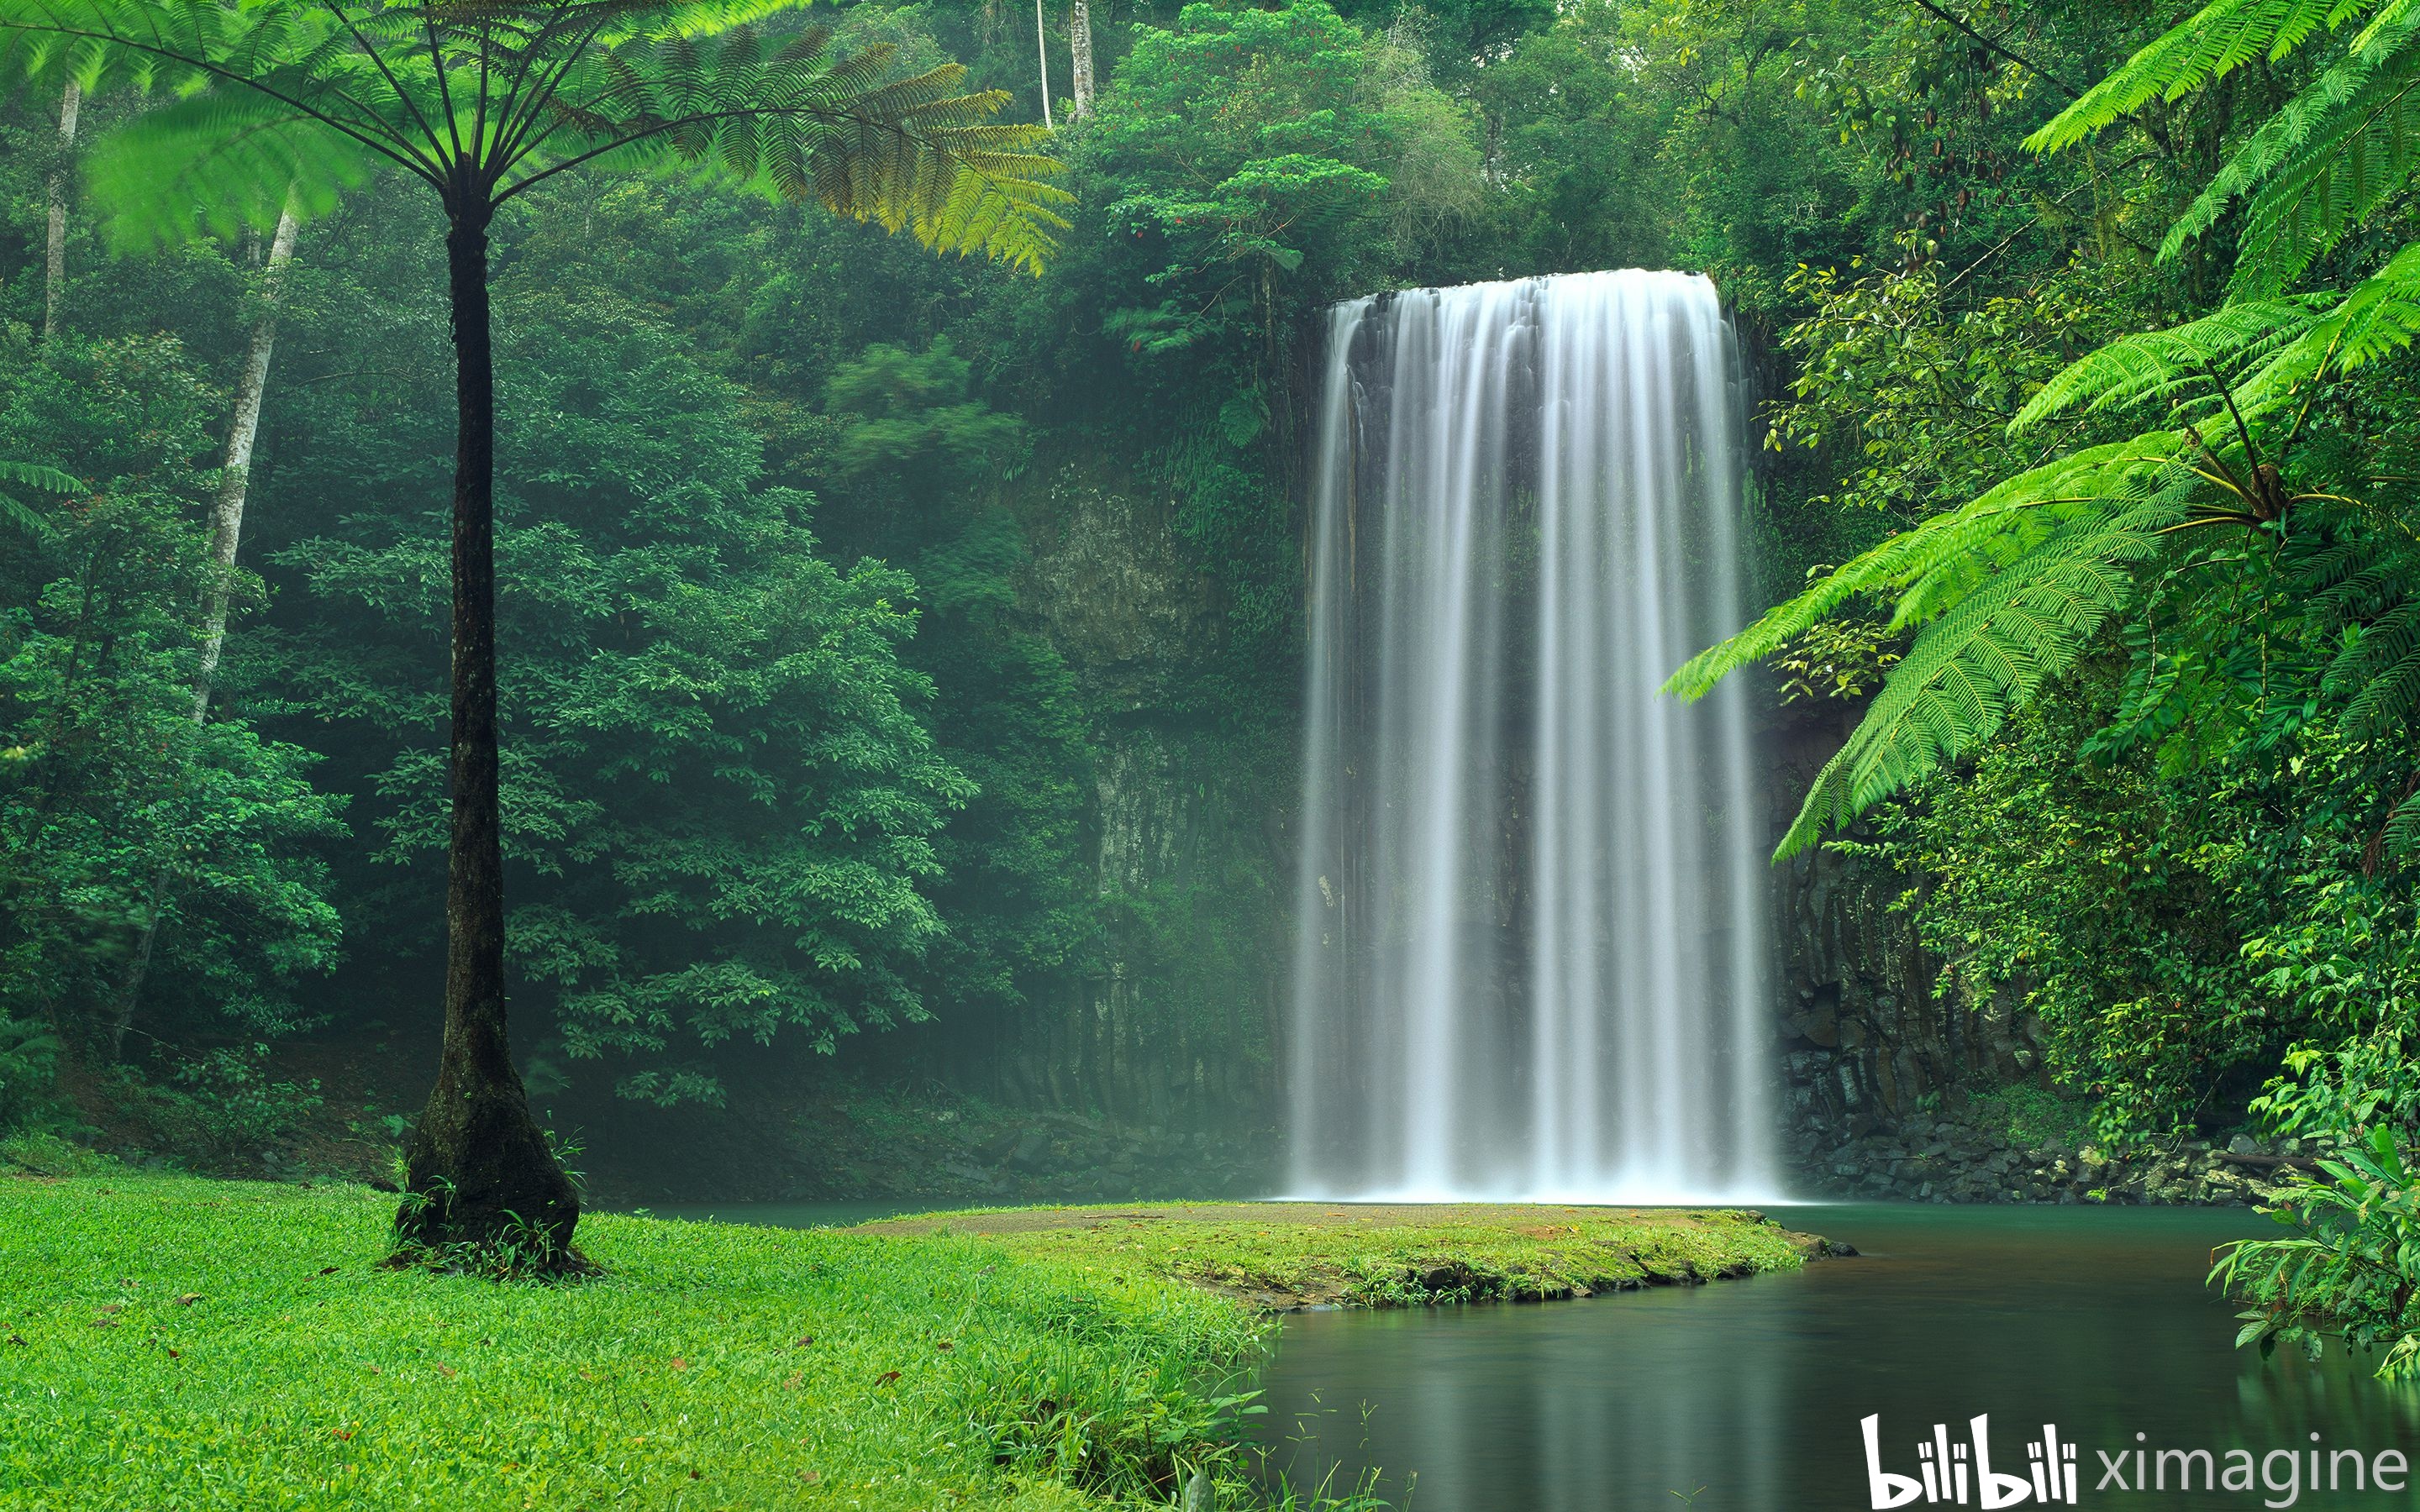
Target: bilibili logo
column 1962, row 1473
column 1947, row 1472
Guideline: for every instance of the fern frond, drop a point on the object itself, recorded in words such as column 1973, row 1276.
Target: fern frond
column 2158, row 364
column 911, row 153
column 1922, row 573
column 1996, row 652
column 2375, row 319
column 2214, row 41
column 32, row 475
column 222, row 160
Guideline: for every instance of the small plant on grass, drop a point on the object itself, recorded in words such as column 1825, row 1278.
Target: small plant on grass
column 515, row 1250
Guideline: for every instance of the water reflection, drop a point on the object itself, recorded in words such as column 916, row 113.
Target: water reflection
column 1747, row 1394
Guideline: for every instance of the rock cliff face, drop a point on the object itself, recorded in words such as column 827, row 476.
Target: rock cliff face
column 1166, row 1024
column 1865, row 1044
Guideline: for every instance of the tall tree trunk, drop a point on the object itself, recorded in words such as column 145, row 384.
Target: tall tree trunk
column 55, row 249
column 479, row 1171
column 235, row 472
column 1079, row 50
column 1042, row 49
column 226, row 533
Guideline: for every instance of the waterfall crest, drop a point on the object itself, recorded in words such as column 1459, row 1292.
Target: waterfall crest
column 1531, row 953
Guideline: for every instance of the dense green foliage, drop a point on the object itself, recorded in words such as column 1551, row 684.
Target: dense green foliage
column 119, row 808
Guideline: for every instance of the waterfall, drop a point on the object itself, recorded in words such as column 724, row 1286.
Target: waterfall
column 1531, row 953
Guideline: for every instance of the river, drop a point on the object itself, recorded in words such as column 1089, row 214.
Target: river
column 1746, row 1395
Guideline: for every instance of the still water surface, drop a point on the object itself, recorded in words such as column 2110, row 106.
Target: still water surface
column 1745, row 1395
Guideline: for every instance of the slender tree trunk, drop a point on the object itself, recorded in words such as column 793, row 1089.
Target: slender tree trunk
column 1042, row 49
column 479, row 1171
column 235, row 472
column 227, row 532
column 54, row 250
column 1079, row 50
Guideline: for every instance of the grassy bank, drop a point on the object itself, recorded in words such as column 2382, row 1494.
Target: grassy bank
column 170, row 1342
column 1277, row 1257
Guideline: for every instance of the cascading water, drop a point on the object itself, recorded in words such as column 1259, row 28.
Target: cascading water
column 1531, row 953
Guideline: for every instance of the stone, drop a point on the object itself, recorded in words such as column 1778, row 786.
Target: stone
column 1030, row 1151
column 2243, row 1145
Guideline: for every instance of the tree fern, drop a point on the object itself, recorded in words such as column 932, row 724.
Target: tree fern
column 915, row 152
column 2009, row 591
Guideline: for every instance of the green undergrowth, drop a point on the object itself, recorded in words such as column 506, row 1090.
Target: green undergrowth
column 168, row 1342
column 1467, row 1254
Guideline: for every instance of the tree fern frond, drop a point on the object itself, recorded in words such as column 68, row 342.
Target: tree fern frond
column 35, row 475
column 2336, row 100
column 1984, row 659
column 2402, row 831
column 221, row 162
column 32, row 475
column 2215, row 40
column 2158, row 364
column 1922, row 573
column 2361, row 153
column 2377, row 317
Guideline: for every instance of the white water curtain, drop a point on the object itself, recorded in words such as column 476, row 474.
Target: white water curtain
column 1531, row 957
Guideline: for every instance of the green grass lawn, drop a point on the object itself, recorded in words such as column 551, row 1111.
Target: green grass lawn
column 170, row 1342
column 1276, row 1256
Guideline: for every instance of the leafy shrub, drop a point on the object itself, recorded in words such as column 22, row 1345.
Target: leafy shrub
column 221, row 1105
column 28, row 1062
column 2034, row 1114
column 48, row 1152
column 2351, row 1270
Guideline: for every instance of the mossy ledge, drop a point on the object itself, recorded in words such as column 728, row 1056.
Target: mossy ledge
column 1285, row 1256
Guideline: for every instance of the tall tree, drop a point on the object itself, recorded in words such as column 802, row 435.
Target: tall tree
column 1080, row 59
column 482, row 102
column 1041, row 53
column 226, row 535
column 235, row 472
column 54, row 239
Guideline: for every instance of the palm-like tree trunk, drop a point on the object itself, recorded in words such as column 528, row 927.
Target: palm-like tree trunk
column 478, row 1168
column 54, row 246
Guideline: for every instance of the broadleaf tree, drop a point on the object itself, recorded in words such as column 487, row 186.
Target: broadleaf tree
column 481, row 102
